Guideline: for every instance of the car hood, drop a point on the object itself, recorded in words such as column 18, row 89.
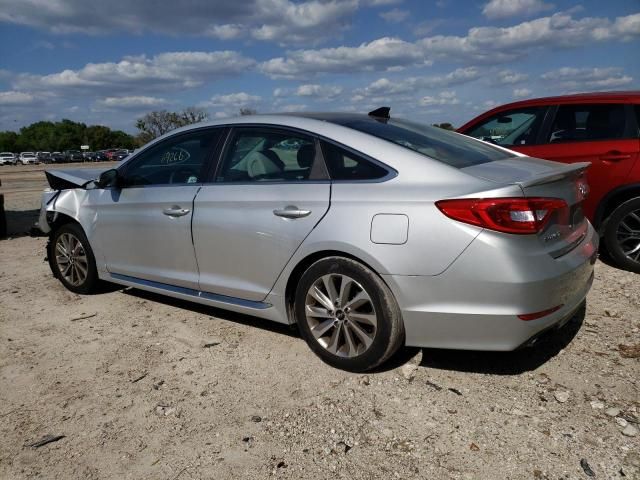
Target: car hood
column 72, row 178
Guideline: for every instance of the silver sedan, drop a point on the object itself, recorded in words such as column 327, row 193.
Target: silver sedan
column 367, row 232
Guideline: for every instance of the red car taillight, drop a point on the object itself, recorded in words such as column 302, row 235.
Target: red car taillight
column 509, row 215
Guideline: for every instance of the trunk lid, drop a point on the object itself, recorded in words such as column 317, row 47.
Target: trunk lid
column 543, row 178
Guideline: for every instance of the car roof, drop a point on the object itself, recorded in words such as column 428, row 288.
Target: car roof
column 577, row 98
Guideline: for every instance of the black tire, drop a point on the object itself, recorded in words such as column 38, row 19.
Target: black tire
column 612, row 243
column 91, row 281
column 389, row 331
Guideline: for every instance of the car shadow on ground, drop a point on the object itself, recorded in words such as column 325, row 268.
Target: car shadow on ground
column 489, row 363
column 240, row 318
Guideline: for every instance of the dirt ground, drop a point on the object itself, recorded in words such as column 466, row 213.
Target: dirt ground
column 145, row 387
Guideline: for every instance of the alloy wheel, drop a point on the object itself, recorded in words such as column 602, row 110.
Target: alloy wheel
column 71, row 259
column 341, row 315
column 628, row 235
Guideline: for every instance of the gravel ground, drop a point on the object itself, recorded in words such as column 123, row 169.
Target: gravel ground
column 145, row 387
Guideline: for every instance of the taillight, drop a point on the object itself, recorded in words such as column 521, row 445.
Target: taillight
column 509, row 215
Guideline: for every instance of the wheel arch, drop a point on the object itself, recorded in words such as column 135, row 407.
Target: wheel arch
column 304, row 264
column 611, row 201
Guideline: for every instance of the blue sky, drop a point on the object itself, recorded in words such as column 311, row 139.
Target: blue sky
column 109, row 62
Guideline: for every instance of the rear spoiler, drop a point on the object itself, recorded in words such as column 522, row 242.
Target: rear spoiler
column 562, row 171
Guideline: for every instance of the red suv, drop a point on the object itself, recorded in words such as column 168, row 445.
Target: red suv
column 600, row 128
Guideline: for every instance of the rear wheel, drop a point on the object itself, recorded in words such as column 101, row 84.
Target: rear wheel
column 622, row 235
column 71, row 259
column 347, row 314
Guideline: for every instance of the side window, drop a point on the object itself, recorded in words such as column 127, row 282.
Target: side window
column 637, row 107
column 264, row 155
column 176, row 160
column 514, row 127
column 344, row 165
column 576, row 123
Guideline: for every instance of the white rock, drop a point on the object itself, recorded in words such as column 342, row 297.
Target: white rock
column 630, row 431
column 408, row 371
column 561, row 396
column 596, row 405
column 621, row 421
column 612, row 412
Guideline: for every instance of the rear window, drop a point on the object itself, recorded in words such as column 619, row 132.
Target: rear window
column 448, row 147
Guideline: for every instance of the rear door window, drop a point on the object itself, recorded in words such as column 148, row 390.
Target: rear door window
column 269, row 155
column 580, row 123
column 346, row 165
column 513, row 127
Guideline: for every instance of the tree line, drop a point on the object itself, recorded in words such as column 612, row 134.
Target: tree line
column 63, row 135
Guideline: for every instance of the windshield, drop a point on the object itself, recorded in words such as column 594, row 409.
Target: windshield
column 448, row 147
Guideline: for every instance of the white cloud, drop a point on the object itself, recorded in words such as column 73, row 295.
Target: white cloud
column 320, row 91
column 497, row 9
column 497, row 45
column 228, row 31
column 282, row 21
column 521, row 92
column 131, row 103
column 384, row 86
column 141, row 74
column 481, row 45
column 379, row 54
column 311, row 21
column 580, row 79
column 395, row 15
column 443, row 98
column 508, row 77
column 239, row 99
column 14, row 98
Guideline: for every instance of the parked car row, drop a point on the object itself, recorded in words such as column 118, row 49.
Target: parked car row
column 68, row 156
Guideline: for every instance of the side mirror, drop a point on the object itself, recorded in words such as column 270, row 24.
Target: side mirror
column 110, row 178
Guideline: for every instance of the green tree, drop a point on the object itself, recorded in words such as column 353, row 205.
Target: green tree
column 157, row 123
column 8, row 141
column 63, row 135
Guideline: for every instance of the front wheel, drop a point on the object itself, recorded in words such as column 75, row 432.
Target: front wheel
column 347, row 314
column 622, row 235
column 71, row 259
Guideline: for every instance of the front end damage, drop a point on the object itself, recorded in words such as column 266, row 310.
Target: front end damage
column 68, row 189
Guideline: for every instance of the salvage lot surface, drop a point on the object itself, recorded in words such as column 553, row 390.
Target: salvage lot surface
column 146, row 387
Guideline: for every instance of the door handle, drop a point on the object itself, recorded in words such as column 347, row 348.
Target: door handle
column 175, row 211
column 614, row 156
column 291, row 211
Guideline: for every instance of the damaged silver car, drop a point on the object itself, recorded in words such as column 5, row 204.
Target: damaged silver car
column 367, row 232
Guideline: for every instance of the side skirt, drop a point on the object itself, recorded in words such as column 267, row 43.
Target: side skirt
column 239, row 305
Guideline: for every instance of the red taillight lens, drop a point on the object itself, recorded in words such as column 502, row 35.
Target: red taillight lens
column 508, row 215
column 534, row 316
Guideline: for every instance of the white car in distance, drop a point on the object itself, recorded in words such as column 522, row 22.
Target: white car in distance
column 27, row 158
column 7, row 158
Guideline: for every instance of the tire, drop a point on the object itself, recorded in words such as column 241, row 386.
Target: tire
column 622, row 235
column 373, row 324
column 70, row 273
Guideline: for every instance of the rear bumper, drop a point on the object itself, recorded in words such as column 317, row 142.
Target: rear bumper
column 475, row 303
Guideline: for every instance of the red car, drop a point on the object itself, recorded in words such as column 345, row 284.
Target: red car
column 600, row 128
